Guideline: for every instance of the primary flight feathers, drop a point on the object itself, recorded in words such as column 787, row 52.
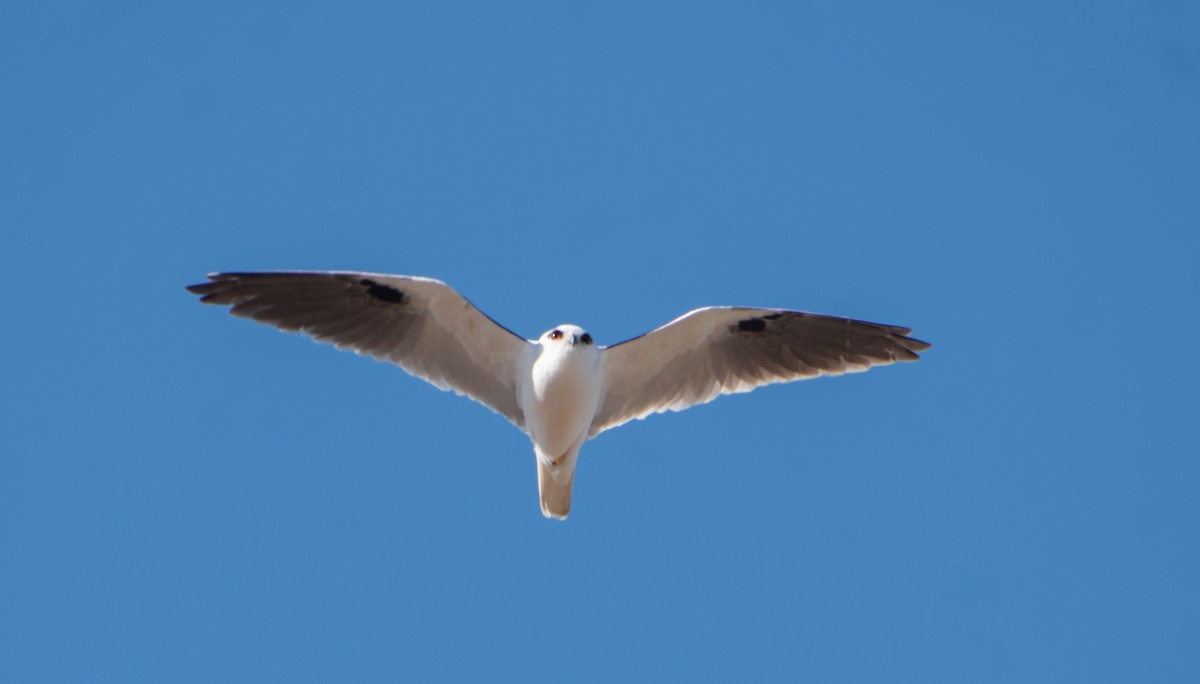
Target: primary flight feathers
column 561, row 389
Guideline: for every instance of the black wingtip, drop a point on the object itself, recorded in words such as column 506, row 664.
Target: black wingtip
column 913, row 344
column 217, row 282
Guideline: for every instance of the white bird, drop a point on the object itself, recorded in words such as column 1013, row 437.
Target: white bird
column 561, row 389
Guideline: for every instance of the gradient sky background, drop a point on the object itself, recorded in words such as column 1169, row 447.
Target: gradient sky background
column 188, row 497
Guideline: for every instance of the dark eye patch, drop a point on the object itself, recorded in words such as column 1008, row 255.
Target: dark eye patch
column 556, row 335
column 587, row 338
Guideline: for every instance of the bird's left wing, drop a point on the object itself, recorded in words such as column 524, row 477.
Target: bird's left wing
column 722, row 350
column 419, row 324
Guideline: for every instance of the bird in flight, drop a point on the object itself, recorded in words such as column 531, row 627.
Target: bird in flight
column 561, row 389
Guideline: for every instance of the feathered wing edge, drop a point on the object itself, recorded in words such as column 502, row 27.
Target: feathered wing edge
column 722, row 350
column 420, row 324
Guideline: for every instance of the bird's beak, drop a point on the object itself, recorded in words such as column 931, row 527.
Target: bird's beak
column 574, row 340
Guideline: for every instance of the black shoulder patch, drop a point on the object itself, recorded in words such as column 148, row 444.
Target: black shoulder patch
column 771, row 317
column 752, row 325
column 383, row 293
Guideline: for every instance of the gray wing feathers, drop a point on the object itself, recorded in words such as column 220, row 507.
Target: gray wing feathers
column 722, row 350
column 419, row 324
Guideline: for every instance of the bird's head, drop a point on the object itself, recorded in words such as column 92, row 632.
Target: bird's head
column 568, row 335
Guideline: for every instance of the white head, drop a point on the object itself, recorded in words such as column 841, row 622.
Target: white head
column 566, row 336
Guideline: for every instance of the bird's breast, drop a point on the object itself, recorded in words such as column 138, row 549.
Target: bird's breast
column 561, row 398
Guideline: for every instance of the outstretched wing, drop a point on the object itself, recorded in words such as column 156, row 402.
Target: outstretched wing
column 722, row 350
column 419, row 324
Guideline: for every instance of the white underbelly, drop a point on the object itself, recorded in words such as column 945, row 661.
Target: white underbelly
column 561, row 402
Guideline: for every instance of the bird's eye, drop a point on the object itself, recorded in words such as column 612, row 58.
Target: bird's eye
column 587, row 339
column 556, row 335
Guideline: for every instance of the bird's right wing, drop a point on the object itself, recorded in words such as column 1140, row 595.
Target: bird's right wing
column 420, row 324
column 722, row 350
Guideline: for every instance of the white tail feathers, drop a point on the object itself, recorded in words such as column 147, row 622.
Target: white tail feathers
column 556, row 496
column 555, row 483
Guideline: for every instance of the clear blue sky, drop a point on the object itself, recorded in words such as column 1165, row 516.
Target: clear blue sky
column 187, row 497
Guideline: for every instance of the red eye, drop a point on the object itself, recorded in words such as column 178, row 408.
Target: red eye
column 587, row 339
column 556, row 335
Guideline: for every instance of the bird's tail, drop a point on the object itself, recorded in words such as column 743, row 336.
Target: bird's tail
column 555, row 483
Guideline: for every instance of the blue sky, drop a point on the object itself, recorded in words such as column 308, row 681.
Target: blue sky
column 187, row 497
